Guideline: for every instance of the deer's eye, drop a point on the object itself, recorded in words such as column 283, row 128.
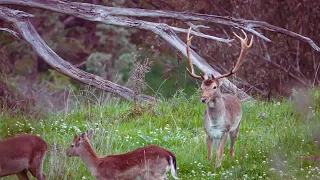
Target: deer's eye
column 72, row 145
column 214, row 87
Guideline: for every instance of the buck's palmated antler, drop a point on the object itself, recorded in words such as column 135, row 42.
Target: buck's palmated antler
column 189, row 59
column 244, row 49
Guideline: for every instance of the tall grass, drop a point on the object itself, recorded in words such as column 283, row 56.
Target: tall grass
column 267, row 148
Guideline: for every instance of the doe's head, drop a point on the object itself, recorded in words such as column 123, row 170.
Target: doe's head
column 78, row 143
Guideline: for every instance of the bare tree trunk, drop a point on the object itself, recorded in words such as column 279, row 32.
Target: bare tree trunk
column 114, row 16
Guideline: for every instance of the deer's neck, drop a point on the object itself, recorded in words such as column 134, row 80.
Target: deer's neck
column 89, row 157
column 216, row 107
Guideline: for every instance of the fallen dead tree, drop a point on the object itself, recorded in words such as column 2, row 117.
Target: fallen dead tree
column 115, row 16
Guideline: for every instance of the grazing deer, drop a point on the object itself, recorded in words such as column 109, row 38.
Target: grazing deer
column 149, row 163
column 21, row 154
column 223, row 111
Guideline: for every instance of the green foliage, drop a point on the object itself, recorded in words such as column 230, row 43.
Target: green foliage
column 117, row 53
column 316, row 97
column 267, row 148
column 166, row 82
column 97, row 62
column 58, row 80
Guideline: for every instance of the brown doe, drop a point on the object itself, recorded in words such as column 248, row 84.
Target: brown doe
column 21, row 154
column 149, row 163
column 223, row 112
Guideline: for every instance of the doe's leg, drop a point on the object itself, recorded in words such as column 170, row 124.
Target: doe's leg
column 37, row 165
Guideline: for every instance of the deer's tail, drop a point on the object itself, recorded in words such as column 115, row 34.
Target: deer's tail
column 173, row 168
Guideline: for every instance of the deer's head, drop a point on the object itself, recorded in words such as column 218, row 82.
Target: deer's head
column 210, row 86
column 79, row 142
column 210, row 89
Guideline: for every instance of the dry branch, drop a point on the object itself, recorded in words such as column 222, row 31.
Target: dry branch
column 102, row 14
column 93, row 12
column 15, row 34
column 103, row 11
column 23, row 26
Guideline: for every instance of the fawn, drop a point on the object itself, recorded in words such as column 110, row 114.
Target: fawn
column 21, row 154
column 149, row 163
column 223, row 112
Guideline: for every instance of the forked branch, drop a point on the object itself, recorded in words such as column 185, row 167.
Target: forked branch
column 15, row 34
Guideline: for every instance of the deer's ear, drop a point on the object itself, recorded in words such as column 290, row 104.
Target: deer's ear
column 81, row 138
column 78, row 140
column 220, row 81
column 83, row 135
column 205, row 76
column 90, row 134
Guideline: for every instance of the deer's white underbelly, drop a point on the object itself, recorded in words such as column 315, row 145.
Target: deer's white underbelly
column 215, row 127
column 235, row 124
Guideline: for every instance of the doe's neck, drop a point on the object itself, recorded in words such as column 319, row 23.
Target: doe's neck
column 88, row 156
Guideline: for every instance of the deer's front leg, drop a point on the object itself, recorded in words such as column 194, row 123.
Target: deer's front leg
column 209, row 145
column 220, row 143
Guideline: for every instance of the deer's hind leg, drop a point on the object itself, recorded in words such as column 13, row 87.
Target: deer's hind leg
column 233, row 138
column 23, row 175
column 37, row 165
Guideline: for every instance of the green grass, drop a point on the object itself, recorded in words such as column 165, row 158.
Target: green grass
column 266, row 148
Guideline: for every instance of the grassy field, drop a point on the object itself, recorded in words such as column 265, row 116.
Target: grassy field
column 267, row 148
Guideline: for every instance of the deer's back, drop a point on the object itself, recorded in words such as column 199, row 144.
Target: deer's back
column 137, row 163
column 16, row 154
column 21, row 146
column 233, row 107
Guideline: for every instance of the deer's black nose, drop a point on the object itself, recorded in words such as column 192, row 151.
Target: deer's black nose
column 203, row 99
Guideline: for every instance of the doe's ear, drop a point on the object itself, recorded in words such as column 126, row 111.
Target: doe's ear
column 83, row 135
column 78, row 140
column 90, row 134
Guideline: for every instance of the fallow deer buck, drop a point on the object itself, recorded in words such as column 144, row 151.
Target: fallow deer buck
column 21, row 154
column 147, row 163
column 223, row 112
